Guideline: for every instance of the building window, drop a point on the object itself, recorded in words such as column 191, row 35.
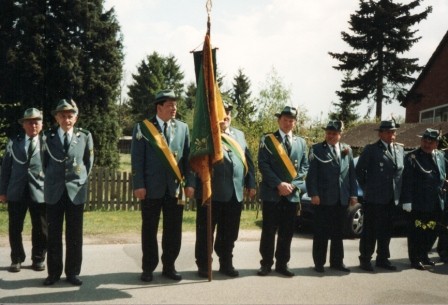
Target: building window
column 434, row 115
column 427, row 116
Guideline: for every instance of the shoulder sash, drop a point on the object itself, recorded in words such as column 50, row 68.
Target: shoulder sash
column 235, row 147
column 153, row 136
column 279, row 152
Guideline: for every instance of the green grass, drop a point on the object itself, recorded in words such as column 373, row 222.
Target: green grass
column 125, row 163
column 102, row 223
column 116, row 222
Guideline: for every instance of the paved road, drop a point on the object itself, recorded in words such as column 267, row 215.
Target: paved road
column 111, row 276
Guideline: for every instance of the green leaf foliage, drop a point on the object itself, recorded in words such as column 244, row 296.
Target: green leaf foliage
column 67, row 49
column 273, row 96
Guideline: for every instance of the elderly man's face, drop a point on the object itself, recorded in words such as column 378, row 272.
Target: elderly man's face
column 66, row 119
column 32, row 127
column 388, row 136
column 428, row 145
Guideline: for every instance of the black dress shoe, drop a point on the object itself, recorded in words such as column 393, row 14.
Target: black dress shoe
column 428, row 262
column 385, row 264
column 172, row 274
column 146, row 277
column 203, row 272
column 229, row 271
column 38, row 266
column 264, row 270
column 319, row 268
column 340, row 267
column 367, row 266
column 15, row 267
column 74, row 280
column 50, row 280
column 444, row 260
column 418, row 266
column 284, row 270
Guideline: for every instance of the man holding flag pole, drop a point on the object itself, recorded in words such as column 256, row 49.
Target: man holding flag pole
column 206, row 146
column 230, row 177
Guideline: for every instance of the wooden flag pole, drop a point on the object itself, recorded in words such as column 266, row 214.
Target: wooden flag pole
column 208, row 7
column 209, row 240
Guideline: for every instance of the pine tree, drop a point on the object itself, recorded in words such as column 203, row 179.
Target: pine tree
column 154, row 74
column 70, row 49
column 346, row 108
column 344, row 112
column 381, row 32
column 190, row 93
column 241, row 98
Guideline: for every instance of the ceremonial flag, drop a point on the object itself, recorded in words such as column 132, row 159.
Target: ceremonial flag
column 206, row 148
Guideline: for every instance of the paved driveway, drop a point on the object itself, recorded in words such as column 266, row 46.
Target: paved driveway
column 111, row 276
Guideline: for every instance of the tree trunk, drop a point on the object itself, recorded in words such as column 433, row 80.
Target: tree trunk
column 379, row 85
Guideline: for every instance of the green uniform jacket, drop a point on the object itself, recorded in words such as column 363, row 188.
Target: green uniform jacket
column 17, row 172
column 67, row 170
column 271, row 169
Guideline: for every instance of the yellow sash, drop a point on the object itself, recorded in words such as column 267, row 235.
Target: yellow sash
column 283, row 156
column 233, row 145
column 164, row 149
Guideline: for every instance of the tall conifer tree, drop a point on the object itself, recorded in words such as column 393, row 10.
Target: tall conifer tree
column 241, row 98
column 155, row 73
column 345, row 109
column 382, row 32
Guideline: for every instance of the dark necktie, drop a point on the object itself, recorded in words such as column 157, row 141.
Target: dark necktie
column 333, row 150
column 165, row 132
column 391, row 151
column 66, row 142
column 31, row 148
column 287, row 144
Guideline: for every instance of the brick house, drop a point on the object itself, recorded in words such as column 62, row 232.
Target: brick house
column 427, row 100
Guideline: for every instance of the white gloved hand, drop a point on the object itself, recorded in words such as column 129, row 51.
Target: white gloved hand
column 407, row 207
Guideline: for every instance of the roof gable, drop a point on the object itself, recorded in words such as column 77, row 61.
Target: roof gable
column 413, row 95
column 407, row 134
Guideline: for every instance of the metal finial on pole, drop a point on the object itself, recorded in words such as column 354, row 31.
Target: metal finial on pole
column 208, row 6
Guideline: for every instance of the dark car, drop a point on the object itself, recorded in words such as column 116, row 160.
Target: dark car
column 354, row 217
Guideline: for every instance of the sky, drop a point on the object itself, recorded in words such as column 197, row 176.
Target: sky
column 291, row 36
